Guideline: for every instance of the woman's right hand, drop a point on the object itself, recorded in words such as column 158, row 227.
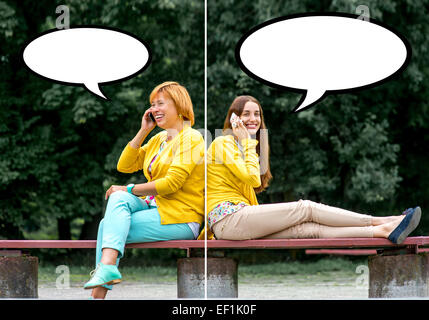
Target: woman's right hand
column 240, row 131
column 147, row 123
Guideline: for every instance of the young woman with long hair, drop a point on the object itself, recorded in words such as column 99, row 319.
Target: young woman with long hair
column 238, row 168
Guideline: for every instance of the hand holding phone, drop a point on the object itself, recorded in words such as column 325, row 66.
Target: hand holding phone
column 238, row 127
column 234, row 119
column 148, row 120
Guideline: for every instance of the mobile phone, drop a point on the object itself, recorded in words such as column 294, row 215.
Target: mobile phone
column 151, row 116
column 234, row 118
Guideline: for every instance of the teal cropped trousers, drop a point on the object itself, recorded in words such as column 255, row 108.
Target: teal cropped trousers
column 129, row 219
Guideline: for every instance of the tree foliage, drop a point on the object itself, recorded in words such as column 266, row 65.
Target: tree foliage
column 59, row 144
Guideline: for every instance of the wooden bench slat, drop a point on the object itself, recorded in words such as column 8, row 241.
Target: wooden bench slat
column 317, row 243
column 351, row 252
column 257, row 244
column 343, row 252
column 91, row 244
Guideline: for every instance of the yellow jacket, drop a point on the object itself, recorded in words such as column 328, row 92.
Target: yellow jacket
column 178, row 172
column 232, row 175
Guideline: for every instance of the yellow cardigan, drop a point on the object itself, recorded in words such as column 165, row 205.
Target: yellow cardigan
column 231, row 174
column 178, row 172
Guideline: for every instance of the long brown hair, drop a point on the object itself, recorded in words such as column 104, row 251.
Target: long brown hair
column 237, row 107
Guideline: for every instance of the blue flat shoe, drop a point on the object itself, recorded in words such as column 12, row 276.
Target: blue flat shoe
column 104, row 275
column 405, row 212
column 407, row 225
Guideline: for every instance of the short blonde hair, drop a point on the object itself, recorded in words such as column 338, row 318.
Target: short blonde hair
column 179, row 95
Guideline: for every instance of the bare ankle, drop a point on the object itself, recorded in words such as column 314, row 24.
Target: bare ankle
column 385, row 229
column 99, row 293
column 378, row 221
column 109, row 256
column 380, row 231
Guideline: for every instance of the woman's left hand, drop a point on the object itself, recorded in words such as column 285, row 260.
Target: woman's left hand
column 114, row 189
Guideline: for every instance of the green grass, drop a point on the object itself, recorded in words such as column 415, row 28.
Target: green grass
column 324, row 268
column 79, row 274
column 301, row 268
column 336, row 271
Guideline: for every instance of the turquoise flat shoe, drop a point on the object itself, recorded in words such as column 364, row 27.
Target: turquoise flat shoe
column 104, row 275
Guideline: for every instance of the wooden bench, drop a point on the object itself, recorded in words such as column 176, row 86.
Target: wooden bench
column 411, row 242
column 350, row 252
column 394, row 270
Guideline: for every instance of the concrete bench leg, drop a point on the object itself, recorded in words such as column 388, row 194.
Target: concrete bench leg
column 222, row 281
column 18, row 277
column 399, row 276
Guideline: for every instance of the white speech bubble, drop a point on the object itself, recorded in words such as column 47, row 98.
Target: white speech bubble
column 87, row 56
column 321, row 54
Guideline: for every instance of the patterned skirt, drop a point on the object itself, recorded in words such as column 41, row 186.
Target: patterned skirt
column 222, row 210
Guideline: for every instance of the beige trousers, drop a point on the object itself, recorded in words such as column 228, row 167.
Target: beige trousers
column 300, row 219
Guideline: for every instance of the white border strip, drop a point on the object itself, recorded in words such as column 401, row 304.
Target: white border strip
column 205, row 151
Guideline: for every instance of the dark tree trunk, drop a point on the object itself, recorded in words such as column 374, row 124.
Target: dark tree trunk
column 64, row 232
column 90, row 228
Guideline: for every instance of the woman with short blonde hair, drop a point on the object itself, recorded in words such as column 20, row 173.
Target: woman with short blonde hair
column 180, row 97
column 170, row 206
